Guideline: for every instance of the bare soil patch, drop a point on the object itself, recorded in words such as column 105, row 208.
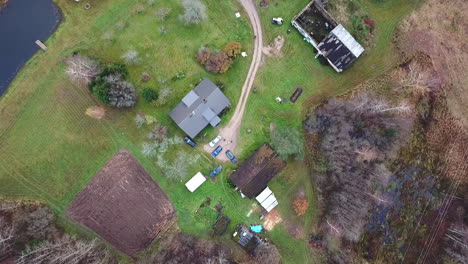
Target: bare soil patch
column 271, row 219
column 123, row 205
column 96, row 112
column 274, row 49
column 294, row 230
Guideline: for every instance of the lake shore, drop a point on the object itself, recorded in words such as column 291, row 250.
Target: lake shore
column 3, row 4
column 44, row 18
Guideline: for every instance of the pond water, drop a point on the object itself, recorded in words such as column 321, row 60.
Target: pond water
column 22, row 22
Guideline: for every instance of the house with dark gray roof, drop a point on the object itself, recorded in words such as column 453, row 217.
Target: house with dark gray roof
column 200, row 107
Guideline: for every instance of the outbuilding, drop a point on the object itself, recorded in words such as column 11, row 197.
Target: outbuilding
column 195, row 182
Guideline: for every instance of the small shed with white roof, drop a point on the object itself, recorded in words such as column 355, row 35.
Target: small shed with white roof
column 267, row 199
column 195, row 182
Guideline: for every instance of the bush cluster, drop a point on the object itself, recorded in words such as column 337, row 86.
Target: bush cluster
column 110, row 86
column 219, row 61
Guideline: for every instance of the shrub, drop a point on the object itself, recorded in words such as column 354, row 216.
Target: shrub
column 150, row 119
column 194, row 12
column 233, row 49
column 300, row 206
column 113, row 68
column 139, row 120
column 288, row 142
column 149, row 94
column 163, row 97
column 148, row 149
column 218, row 62
column 108, row 35
column 120, row 24
column 101, row 91
column 203, row 55
column 163, row 30
column 110, row 86
column 162, row 13
column 131, row 57
column 122, row 94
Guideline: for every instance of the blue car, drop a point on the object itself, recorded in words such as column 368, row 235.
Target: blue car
column 216, row 151
column 216, row 171
column 189, row 142
column 231, row 156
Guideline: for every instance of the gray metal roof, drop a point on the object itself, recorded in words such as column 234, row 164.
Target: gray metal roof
column 343, row 35
column 190, row 98
column 200, row 107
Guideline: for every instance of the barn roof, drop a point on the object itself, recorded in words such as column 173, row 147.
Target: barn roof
column 340, row 48
column 254, row 174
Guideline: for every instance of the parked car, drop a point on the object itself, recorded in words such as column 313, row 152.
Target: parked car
column 277, row 20
column 215, row 141
column 216, row 171
column 231, row 156
column 216, row 151
column 189, row 141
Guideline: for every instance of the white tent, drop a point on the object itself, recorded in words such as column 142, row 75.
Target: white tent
column 267, row 199
column 195, row 182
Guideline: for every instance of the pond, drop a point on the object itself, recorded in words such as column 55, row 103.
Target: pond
column 22, row 22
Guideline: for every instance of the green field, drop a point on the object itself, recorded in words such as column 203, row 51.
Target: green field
column 50, row 149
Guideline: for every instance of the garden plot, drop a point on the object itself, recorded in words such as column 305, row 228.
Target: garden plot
column 123, row 205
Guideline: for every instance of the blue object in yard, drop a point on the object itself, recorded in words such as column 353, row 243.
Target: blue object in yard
column 189, row 142
column 231, row 156
column 216, row 151
column 256, row 228
column 216, row 171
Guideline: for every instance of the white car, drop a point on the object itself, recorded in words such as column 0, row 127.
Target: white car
column 215, row 141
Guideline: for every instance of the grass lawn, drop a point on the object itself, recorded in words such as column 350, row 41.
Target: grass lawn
column 50, row 149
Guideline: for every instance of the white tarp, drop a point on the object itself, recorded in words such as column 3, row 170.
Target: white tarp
column 195, row 182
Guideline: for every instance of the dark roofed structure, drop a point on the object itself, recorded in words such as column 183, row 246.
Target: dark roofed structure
column 254, row 174
column 338, row 46
column 200, row 107
column 247, row 239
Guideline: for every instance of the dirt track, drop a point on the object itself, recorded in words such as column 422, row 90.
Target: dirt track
column 230, row 132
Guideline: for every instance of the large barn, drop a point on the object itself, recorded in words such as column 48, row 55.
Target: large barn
column 253, row 175
column 123, row 205
column 330, row 39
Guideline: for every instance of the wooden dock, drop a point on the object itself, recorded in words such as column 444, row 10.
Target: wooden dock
column 41, row 45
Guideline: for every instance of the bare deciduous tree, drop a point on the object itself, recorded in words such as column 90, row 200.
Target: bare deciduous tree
column 66, row 250
column 362, row 128
column 131, row 57
column 139, row 120
column 194, row 12
column 267, row 253
column 7, row 236
column 81, row 69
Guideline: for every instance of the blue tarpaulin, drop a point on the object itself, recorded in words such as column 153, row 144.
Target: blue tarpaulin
column 256, row 228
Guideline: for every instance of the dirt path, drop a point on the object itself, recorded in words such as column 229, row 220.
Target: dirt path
column 230, row 132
